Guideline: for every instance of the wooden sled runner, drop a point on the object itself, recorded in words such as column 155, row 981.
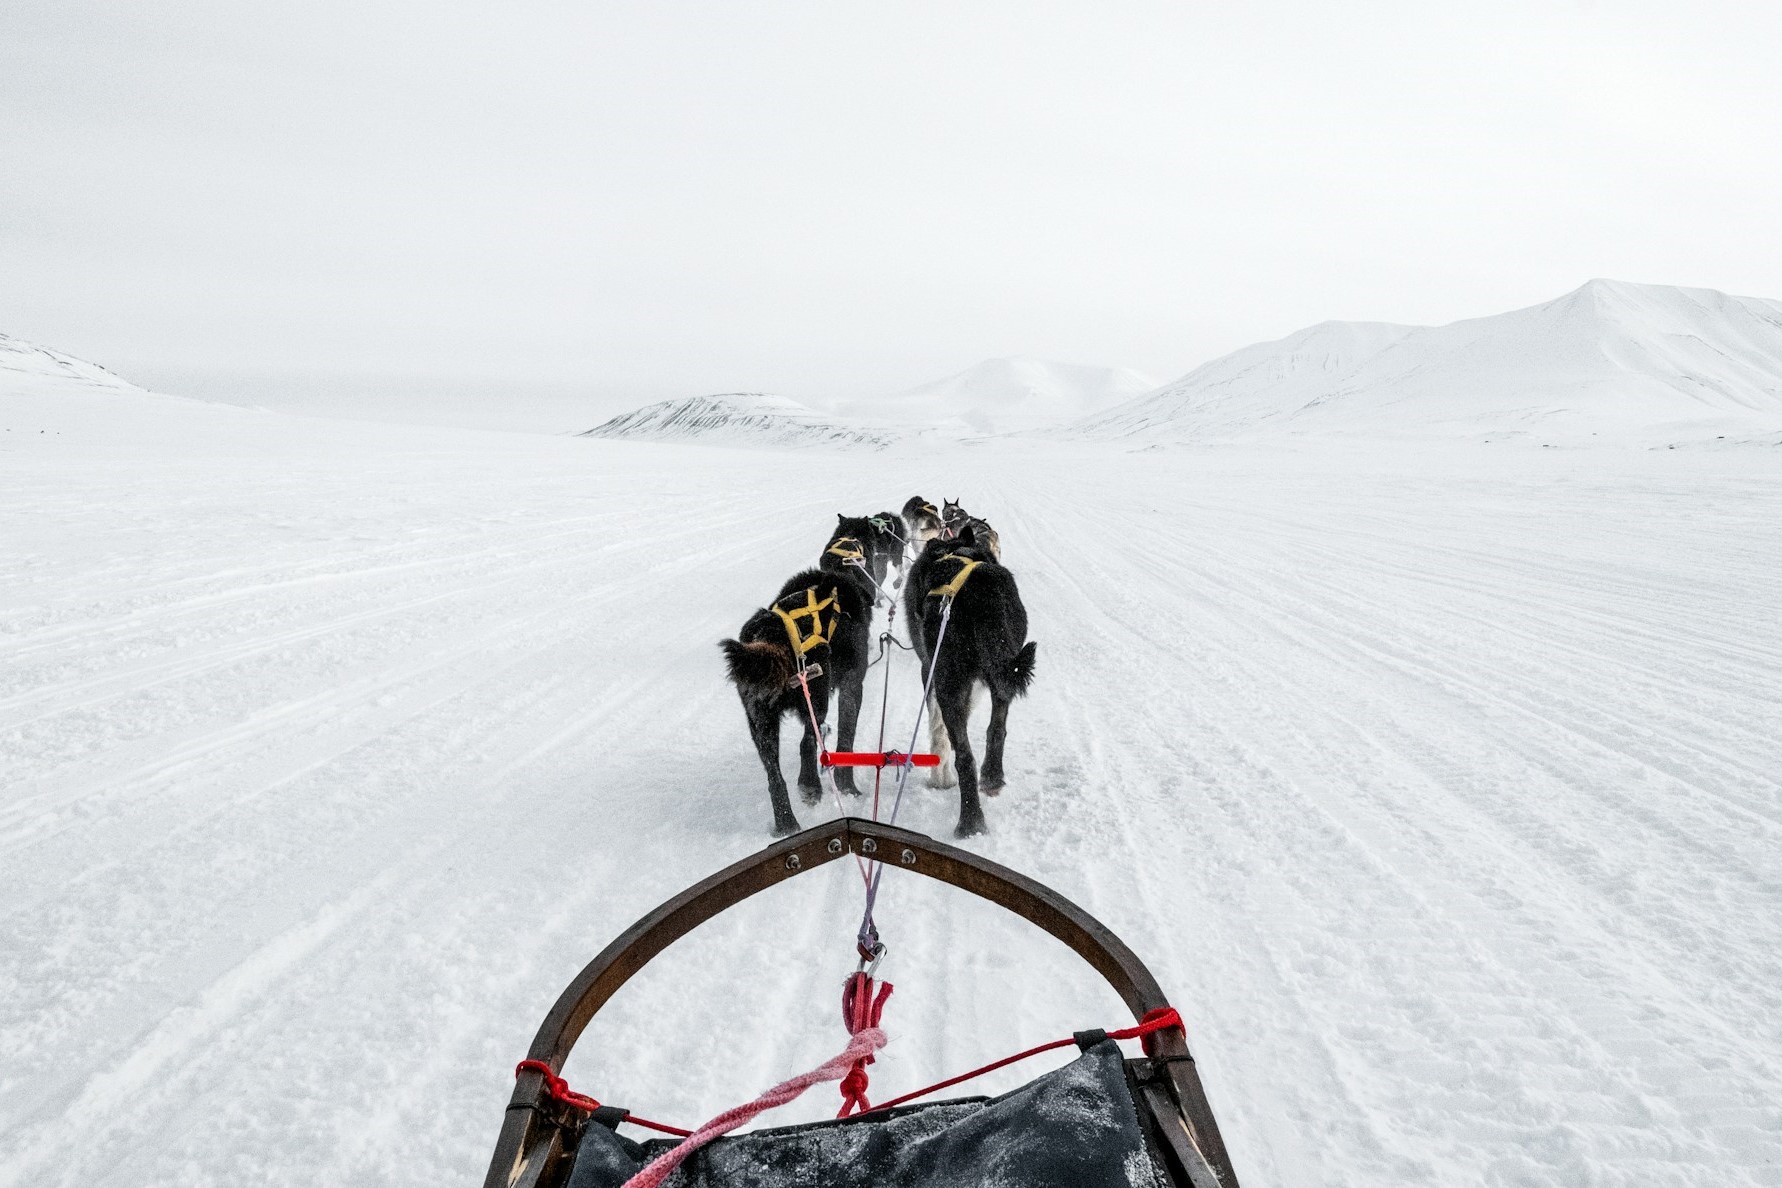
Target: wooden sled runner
column 1157, row 1098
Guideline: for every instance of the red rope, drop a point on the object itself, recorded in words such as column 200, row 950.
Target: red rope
column 862, row 1043
column 854, row 1091
column 823, row 754
column 1162, row 1019
column 1157, row 1020
column 860, row 1010
column 558, row 1090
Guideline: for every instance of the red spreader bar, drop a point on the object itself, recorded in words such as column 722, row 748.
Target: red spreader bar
column 877, row 759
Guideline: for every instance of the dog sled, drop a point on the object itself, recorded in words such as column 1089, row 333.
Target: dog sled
column 1105, row 1119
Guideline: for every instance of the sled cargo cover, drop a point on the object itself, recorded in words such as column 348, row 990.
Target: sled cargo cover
column 1075, row 1127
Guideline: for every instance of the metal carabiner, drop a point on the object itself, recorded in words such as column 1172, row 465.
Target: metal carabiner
column 875, row 955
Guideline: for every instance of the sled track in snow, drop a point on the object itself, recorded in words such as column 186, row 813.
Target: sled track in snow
column 1443, row 800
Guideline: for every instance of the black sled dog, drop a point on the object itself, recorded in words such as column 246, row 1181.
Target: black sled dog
column 854, row 549
column 879, row 539
column 985, row 644
column 820, row 623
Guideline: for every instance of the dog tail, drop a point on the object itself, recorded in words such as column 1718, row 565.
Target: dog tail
column 761, row 669
column 1020, row 673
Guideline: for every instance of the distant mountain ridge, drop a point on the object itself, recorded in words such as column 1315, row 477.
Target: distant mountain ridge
column 1610, row 361
column 1609, row 358
column 21, row 361
column 994, row 396
column 1254, row 385
column 1004, row 395
column 740, row 418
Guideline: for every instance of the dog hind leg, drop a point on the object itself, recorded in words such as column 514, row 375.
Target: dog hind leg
column 956, row 714
column 991, row 781
column 847, row 721
column 810, row 783
column 941, row 776
column 764, row 728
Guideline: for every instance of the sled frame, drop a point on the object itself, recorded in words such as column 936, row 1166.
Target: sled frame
column 538, row 1133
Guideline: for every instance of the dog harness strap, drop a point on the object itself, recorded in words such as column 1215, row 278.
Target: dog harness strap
column 952, row 588
column 847, row 548
column 812, row 609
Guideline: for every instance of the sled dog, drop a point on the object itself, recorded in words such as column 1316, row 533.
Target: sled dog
column 921, row 521
column 985, row 644
column 820, row 624
column 880, row 539
column 955, row 520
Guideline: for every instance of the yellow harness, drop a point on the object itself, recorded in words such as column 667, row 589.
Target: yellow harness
column 812, row 610
column 847, row 548
column 952, row 588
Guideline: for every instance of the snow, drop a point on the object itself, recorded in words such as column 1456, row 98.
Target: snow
column 1254, row 386
column 1634, row 364
column 1005, row 395
column 1437, row 783
column 27, row 365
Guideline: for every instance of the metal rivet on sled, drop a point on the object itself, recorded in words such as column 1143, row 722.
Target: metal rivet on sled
column 792, row 862
column 909, row 857
column 835, row 845
column 869, row 845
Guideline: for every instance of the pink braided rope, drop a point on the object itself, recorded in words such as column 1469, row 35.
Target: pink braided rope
column 860, row 1046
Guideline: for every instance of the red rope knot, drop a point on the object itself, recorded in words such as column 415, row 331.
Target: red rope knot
column 556, row 1088
column 860, row 1011
column 1161, row 1019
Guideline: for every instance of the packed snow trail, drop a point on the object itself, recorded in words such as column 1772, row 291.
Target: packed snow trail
column 1439, row 792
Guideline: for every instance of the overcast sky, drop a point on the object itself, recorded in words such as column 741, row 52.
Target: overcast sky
column 832, row 198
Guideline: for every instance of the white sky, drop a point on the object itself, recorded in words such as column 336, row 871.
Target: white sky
column 832, row 198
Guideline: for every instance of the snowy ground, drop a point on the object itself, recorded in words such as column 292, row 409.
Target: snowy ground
column 1440, row 790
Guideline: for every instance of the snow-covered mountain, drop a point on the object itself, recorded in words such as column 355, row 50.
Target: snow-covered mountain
column 1253, row 386
column 1004, row 395
column 995, row 396
column 1613, row 359
column 740, row 418
column 25, row 364
column 53, row 401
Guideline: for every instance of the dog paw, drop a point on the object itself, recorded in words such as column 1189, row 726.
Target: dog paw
column 971, row 826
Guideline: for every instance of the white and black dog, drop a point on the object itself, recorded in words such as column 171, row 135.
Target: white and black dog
column 921, row 522
column 823, row 618
column 985, row 644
